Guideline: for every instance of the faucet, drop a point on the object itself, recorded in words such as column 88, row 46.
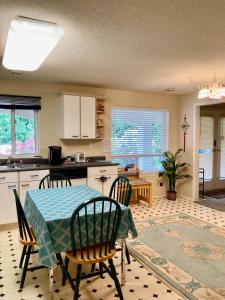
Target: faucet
column 10, row 161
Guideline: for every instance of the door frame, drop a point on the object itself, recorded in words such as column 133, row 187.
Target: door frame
column 196, row 140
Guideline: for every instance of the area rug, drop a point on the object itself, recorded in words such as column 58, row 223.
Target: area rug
column 216, row 202
column 185, row 252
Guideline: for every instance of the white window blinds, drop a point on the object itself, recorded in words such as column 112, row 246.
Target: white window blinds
column 139, row 136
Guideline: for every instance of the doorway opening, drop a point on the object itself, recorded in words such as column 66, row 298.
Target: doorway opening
column 212, row 156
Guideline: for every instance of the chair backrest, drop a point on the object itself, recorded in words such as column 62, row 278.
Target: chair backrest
column 94, row 227
column 24, row 228
column 121, row 190
column 54, row 181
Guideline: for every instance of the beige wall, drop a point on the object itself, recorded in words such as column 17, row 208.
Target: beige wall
column 49, row 116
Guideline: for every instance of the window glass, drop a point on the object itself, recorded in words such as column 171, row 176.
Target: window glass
column 5, row 132
column 18, row 131
column 139, row 136
column 25, row 132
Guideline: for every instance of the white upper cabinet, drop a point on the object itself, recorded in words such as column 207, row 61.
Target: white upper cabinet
column 70, row 108
column 88, row 118
column 79, row 117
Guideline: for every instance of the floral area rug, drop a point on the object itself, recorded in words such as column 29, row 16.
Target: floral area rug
column 187, row 253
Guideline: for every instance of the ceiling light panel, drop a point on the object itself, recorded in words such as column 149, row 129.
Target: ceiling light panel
column 29, row 42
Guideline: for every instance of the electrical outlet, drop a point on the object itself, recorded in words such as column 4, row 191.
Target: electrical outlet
column 161, row 184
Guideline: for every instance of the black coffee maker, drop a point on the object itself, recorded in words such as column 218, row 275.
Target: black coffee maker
column 55, row 155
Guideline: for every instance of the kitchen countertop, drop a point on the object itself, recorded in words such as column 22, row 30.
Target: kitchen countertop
column 72, row 165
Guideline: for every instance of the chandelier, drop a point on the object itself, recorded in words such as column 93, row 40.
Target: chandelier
column 213, row 90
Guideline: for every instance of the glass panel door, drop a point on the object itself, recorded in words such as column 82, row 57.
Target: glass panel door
column 206, row 152
column 222, row 148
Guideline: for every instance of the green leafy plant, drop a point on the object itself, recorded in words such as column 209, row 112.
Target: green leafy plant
column 173, row 169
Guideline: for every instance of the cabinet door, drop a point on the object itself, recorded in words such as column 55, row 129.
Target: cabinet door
column 95, row 183
column 71, row 117
column 88, row 118
column 107, row 185
column 7, row 203
column 27, row 186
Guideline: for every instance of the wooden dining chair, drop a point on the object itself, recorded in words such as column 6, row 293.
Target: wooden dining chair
column 26, row 238
column 121, row 192
column 54, row 181
column 94, row 227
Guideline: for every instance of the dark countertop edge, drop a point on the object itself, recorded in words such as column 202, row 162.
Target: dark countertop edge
column 62, row 166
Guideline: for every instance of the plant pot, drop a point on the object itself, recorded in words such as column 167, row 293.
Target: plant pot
column 171, row 195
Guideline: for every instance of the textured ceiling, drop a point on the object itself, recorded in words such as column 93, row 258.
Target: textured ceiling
column 142, row 45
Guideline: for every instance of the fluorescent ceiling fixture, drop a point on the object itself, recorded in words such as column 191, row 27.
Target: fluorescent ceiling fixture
column 29, row 42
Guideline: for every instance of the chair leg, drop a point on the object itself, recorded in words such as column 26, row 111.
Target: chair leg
column 101, row 269
column 127, row 254
column 65, row 271
column 60, row 261
column 22, row 256
column 25, row 266
column 77, row 283
column 93, row 268
column 114, row 277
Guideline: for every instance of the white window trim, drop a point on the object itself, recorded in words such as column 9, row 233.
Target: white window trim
column 37, row 141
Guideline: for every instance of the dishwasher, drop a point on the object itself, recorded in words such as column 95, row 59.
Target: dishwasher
column 76, row 175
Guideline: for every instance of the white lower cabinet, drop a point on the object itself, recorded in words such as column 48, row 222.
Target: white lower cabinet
column 78, row 181
column 29, row 180
column 8, row 182
column 96, row 173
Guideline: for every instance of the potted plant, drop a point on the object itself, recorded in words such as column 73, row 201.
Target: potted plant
column 173, row 171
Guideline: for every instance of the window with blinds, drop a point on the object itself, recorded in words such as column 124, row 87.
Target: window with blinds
column 139, row 136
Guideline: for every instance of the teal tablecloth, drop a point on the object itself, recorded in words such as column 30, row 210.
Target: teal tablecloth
column 49, row 212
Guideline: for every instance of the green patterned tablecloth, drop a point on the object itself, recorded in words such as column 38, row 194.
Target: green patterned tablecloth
column 49, row 212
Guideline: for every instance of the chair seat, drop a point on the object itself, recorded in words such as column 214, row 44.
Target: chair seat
column 91, row 260
column 27, row 241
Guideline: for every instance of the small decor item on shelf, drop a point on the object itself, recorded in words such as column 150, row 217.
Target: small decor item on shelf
column 100, row 107
column 100, row 122
column 173, row 171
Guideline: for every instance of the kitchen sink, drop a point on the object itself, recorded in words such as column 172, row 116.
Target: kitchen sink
column 29, row 166
column 21, row 166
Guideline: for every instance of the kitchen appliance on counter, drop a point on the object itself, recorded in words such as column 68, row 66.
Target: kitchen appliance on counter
column 55, row 155
column 80, row 157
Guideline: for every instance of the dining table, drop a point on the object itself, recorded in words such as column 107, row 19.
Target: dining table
column 49, row 211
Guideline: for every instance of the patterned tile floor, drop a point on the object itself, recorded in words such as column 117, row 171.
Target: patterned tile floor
column 141, row 283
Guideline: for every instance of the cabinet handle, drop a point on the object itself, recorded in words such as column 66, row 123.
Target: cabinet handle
column 11, row 186
column 97, row 178
column 84, row 135
column 24, row 185
column 2, row 178
column 74, row 135
column 102, row 171
column 34, row 176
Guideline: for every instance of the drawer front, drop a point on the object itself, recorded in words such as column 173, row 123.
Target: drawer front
column 96, row 171
column 33, row 175
column 8, row 177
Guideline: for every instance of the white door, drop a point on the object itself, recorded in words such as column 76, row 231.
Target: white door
column 88, row 118
column 71, row 122
column 7, row 203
